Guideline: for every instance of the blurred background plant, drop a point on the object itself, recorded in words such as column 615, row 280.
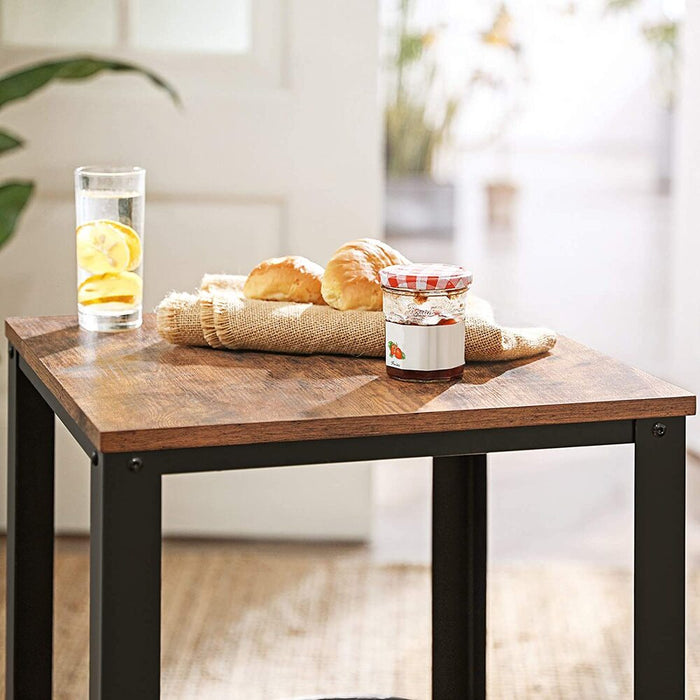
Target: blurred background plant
column 662, row 35
column 16, row 85
column 412, row 134
column 660, row 27
column 426, row 98
column 451, row 86
column 411, row 140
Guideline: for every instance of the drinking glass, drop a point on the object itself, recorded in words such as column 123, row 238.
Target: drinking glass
column 109, row 213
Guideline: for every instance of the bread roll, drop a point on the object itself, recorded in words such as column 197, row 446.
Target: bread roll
column 351, row 279
column 291, row 278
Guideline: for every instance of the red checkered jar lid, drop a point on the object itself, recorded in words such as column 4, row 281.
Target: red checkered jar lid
column 425, row 277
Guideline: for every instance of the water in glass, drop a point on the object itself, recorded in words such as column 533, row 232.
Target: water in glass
column 109, row 246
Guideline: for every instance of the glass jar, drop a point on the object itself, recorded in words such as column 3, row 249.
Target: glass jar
column 424, row 312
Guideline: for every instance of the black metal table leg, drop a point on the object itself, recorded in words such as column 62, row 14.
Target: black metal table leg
column 659, row 560
column 459, row 578
column 125, row 566
column 30, row 530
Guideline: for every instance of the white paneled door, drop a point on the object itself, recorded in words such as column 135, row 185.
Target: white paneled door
column 276, row 150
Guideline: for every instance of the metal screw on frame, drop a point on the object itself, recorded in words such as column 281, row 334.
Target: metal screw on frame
column 11, row 351
column 658, row 430
column 94, row 459
column 135, row 464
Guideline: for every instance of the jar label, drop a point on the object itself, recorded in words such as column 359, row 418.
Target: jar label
column 425, row 347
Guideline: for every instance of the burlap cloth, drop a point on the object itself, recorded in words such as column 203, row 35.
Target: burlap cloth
column 219, row 316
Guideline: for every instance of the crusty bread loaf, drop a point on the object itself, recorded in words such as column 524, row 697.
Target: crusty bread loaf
column 351, row 279
column 292, row 278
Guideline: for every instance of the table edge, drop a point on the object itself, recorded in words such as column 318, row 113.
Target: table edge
column 370, row 426
column 91, row 431
column 108, row 441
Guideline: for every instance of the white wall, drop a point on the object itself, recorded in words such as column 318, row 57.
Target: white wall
column 686, row 239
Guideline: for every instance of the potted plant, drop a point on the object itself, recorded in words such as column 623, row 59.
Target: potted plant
column 416, row 204
column 424, row 107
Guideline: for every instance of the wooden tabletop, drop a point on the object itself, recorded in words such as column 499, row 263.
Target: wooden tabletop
column 133, row 391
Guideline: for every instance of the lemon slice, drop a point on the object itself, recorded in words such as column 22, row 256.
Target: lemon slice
column 133, row 242
column 107, row 246
column 111, row 287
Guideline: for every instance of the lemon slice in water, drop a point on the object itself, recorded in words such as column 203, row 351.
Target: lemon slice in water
column 107, row 246
column 111, row 287
column 133, row 242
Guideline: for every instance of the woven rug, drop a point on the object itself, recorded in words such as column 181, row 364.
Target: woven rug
column 267, row 622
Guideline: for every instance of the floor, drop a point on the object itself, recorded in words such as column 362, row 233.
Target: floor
column 251, row 621
column 587, row 257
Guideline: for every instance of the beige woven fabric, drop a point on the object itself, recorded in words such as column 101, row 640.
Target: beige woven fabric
column 221, row 317
column 179, row 320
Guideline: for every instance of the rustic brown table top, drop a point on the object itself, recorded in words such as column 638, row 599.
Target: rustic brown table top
column 133, row 391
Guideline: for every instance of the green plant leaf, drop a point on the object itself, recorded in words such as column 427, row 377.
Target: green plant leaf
column 617, row 5
column 410, row 48
column 27, row 80
column 9, row 142
column 14, row 195
column 661, row 33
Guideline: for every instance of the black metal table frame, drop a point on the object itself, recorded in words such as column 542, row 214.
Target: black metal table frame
column 125, row 542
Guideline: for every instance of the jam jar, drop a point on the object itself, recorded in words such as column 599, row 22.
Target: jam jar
column 424, row 312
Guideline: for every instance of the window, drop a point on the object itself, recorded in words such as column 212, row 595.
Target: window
column 175, row 26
